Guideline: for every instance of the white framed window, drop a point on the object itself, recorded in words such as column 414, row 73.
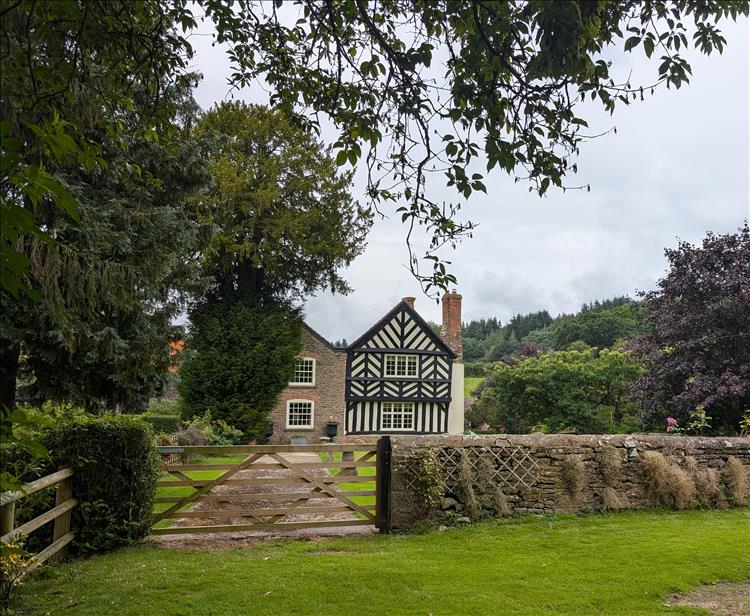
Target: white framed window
column 304, row 372
column 400, row 365
column 397, row 416
column 300, row 414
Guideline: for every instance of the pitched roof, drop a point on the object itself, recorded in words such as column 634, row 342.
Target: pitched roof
column 315, row 334
column 402, row 305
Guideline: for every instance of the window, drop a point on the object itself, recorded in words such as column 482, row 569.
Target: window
column 299, row 413
column 397, row 416
column 304, row 372
column 400, row 365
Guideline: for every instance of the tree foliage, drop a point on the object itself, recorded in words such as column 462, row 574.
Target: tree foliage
column 279, row 224
column 421, row 88
column 697, row 346
column 279, row 216
column 583, row 391
column 73, row 74
column 241, row 355
column 112, row 285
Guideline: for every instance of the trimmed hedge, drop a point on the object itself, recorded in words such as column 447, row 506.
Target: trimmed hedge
column 163, row 423
column 116, row 472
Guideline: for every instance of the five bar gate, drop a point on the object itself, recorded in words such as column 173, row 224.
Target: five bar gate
column 209, row 489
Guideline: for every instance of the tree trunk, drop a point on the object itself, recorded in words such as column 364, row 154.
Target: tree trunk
column 9, row 353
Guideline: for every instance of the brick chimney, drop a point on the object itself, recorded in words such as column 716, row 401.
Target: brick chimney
column 409, row 300
column 451, row 329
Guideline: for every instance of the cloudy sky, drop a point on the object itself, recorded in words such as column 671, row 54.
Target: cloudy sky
column 677, row 167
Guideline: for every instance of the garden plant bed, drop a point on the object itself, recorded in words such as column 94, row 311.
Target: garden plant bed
column 626, row 563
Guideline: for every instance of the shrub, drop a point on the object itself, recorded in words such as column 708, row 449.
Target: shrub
column 189, row 437
column 426, row 478
column 163, row 423
column 217, row 431
column 706, row 480
column 165, row 406
column 115, row 478
column 736, row 480
column 666, row 483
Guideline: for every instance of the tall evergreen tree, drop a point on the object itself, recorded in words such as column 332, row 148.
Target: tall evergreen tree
column 278, row 223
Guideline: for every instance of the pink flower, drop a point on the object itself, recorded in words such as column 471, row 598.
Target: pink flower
column 671, row 424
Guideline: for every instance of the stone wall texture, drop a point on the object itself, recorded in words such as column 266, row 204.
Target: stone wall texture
column 534, row 471
column 327, row 393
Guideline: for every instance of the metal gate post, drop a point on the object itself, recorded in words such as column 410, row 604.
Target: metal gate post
column 383, row 485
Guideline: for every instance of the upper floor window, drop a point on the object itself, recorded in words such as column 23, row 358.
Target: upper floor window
column 400, row 365
column 304, row 372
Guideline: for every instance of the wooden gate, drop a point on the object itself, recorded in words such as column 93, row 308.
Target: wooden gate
column 271, row 487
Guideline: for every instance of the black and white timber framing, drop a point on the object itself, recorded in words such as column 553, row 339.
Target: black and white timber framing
column 401, row 331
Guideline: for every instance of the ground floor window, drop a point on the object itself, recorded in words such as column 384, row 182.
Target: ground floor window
column 397, row 416
column 300, row 413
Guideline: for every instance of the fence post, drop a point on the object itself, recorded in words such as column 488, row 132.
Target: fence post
column 63, row 494
column 383, row 485
column 7, row 518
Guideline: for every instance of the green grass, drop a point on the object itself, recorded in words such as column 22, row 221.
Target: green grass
column 470, row 384
column 186, row 491
column 355, row 485
column 599, row 564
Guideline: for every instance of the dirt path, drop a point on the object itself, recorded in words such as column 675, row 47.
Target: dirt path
column 722, row 599
column 252, row 497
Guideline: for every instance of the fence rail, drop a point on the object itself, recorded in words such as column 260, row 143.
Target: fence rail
column 59, row 514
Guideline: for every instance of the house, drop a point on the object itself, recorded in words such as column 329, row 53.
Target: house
column 399, row 377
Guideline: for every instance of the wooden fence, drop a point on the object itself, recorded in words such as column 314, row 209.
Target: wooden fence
column 59, row 514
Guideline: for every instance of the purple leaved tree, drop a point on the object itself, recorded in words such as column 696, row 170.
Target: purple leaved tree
column 697, row 347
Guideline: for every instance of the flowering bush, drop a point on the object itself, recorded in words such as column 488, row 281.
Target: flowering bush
column 15, row 563
column 672, row 425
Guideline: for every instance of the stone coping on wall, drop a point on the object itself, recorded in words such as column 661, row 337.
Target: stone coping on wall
column 539, row 439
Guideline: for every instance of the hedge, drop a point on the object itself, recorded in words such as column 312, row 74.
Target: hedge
column 116, row 470
column 163, row 423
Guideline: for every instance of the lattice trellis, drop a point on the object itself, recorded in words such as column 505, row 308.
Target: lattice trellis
column 513, row 467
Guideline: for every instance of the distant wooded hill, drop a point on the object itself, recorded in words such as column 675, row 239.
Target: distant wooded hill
column 600, row 324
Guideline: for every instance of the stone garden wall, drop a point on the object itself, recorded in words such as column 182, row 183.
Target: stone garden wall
column 498, row 475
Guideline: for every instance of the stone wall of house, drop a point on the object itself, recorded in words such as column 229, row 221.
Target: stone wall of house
column 327, row 393
column 534, row 471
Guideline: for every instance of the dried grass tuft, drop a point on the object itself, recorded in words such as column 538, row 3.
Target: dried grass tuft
column 466, row 487
column 501, row 503
column 737, row 483
column 666, row 483
column 572, row 471
column 706, row 480
column 610, row 466
column 612, row 501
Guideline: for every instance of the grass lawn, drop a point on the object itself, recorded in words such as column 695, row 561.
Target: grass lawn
column 470, row 384
column 599, row 564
